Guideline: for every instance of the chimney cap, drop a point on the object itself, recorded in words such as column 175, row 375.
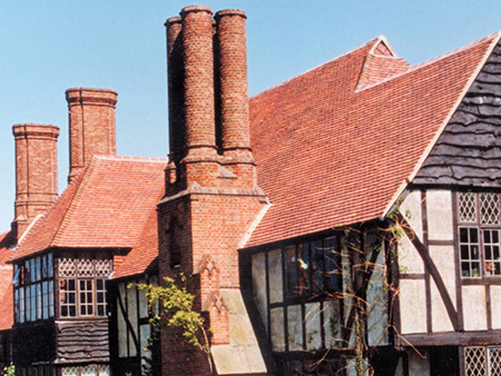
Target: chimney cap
column 172, row 20
column 230, row 12
column 91, row 95
column 34, row 129
column 195, row 8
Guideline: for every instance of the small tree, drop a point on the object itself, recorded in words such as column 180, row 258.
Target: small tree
column 176, row 306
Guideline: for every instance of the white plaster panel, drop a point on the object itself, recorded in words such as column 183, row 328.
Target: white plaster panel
column 440, row 321
column 313, row 326
column 409, row 260
column 412, row 306
column 419, row 365
column 439, row 214
column 474, row 308
column 443, row 257
column 496, row 306
column 259, row 286
column 411, row 210
column 377, row 297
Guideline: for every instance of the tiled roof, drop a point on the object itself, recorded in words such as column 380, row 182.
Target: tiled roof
column 331, row 154
column 143, row 257
column 6, row 275
column 107, row 206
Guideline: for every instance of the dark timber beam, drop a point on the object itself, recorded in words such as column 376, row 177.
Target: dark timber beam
column 432, row 268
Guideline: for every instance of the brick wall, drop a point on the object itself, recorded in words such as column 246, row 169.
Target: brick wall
column 212, row 195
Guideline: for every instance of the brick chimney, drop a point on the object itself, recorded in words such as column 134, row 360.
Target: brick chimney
column 92, row 125
column 212, row 197
column 36, row 172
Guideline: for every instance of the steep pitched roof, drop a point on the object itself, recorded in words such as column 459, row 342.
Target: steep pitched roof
column 143, row 257
column 6, row 275
column 107, row 206
column 332, row 152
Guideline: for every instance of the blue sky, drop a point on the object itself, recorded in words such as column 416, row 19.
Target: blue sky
column 48, row 46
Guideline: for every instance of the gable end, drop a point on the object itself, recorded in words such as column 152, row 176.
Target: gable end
column 468, row 152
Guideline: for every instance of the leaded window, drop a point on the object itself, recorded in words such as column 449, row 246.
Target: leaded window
column 297, row 289
column 82, row 285
column 34, row 289
column 479, row 219
column 482, row 361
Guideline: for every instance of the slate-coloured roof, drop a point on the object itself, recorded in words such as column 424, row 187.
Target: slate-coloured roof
column 107, row 206
column 6, row 275
column 337, row 145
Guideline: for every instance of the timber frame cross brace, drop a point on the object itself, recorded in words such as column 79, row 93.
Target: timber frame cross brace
column 432, row 268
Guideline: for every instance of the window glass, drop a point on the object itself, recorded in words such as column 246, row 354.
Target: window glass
column 291, row 271
column 479, row 241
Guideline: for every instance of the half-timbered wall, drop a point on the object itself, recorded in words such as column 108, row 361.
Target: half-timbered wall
column 427, row 263
column 305, row 294
column 130, row 349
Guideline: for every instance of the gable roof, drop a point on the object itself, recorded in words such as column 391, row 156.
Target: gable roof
column 6, row 275
column 106, row 206
column 334, row 148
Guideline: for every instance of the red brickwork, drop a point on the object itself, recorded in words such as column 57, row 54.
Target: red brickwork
column 211, row 198
column 92, row 125
column 177, row 132
column 36, row 171
column 233, row 79
column 199, row 79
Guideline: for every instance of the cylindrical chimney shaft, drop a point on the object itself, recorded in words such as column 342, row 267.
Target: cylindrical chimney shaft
column 199, row 80
column 92, row 125
column 36, row 171
column 175, row 76
column 233, row 80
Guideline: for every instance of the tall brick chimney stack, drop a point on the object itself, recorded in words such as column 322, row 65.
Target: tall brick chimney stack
column 92, row 125
column 177, row 131
column 211, row 196
column 232, row 64
column 36, row 172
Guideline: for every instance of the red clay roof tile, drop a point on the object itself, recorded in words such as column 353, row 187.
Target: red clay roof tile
column 107, row 206
column 329, row 155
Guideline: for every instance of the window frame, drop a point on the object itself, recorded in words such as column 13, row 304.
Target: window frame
column 481, row 229
column 33, row 282
column 90, row 301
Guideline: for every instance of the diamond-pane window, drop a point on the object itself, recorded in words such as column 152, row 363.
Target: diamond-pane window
column 85, row 268
column 467, row 207
column 474, row 361
column 67, row 267
column 103, row 268
column 494, row 356
column 489, row 208
column 70, row 371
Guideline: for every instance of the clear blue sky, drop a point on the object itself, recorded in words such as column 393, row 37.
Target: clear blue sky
column 48, row 46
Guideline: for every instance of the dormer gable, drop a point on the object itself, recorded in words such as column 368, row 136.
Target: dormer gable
column 381, row 63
